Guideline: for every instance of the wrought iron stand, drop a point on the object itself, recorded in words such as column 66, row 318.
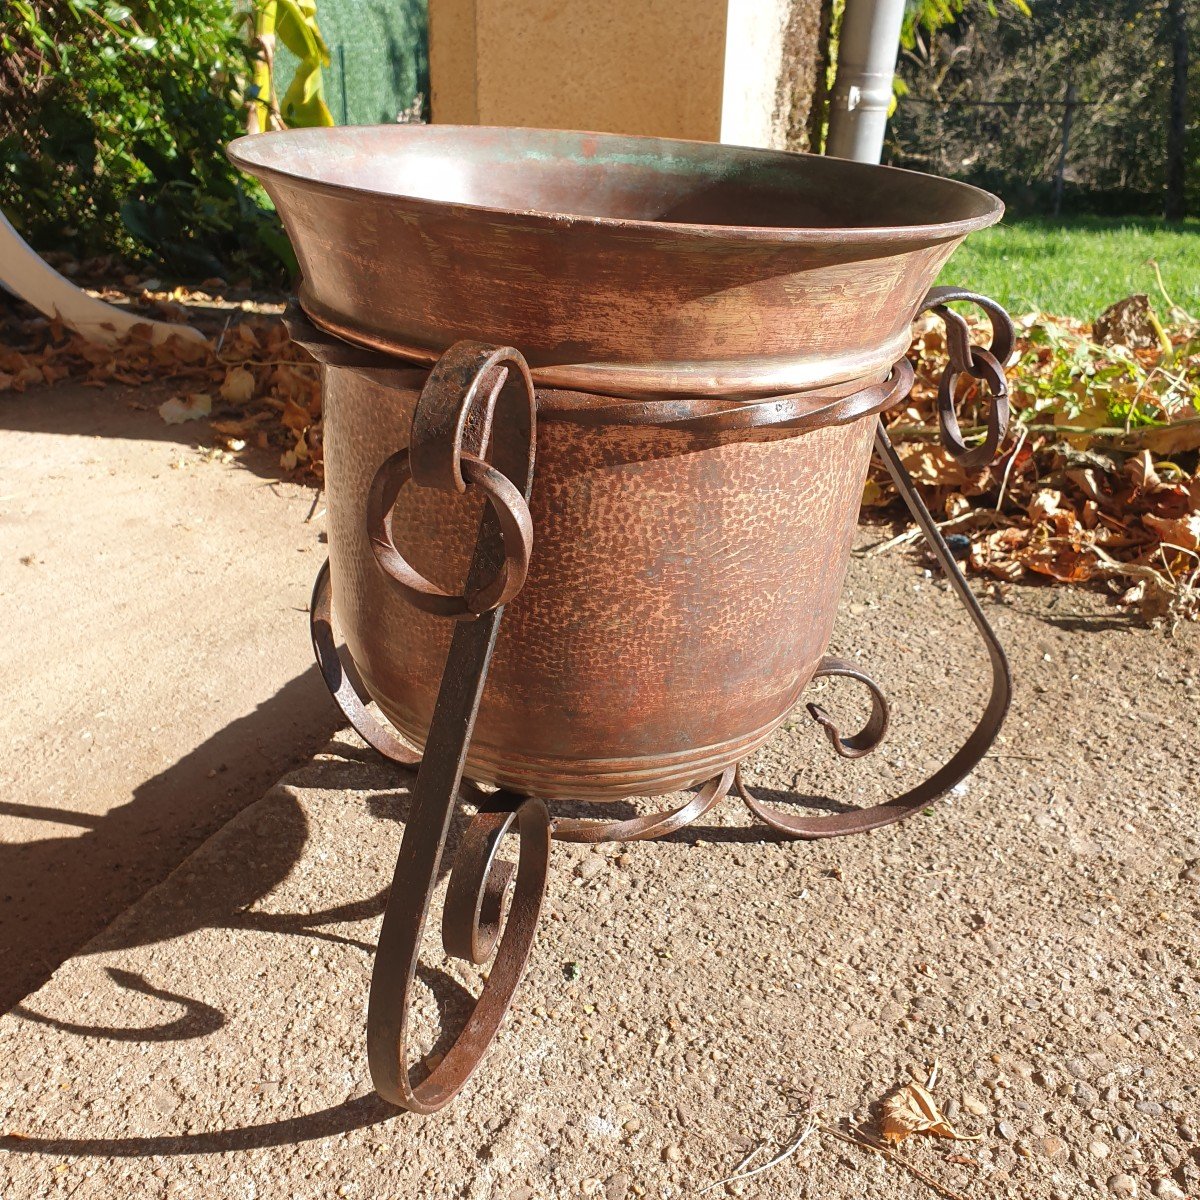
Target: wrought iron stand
column 455, row 443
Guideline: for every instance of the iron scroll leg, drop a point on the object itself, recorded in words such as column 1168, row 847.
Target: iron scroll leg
column 982, row 736
column 477, row 399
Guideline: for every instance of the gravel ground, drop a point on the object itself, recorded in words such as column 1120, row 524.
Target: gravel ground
column 691, row 999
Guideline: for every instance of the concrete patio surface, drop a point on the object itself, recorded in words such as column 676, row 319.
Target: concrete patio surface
column 154, row 674
column 691, row 999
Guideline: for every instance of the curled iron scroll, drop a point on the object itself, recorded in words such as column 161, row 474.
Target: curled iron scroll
column 653, row 825
column 873, row 732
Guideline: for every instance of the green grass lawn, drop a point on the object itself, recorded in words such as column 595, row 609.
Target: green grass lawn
column 1078, row 266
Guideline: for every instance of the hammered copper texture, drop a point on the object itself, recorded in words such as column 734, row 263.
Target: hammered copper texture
column 617, row 265
column 681, row 593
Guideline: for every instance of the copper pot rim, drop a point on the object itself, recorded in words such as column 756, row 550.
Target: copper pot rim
column 246, row 152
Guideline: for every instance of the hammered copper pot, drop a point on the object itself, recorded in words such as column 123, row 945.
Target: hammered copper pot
column 683, row 583
column 712, row 333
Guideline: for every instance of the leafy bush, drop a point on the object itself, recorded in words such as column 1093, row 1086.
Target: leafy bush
column 115, row 118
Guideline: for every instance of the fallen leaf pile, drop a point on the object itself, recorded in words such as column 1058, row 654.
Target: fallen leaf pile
column 1098, row 480
column 254, row 387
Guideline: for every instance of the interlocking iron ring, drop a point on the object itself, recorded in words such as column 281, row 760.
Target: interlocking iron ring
column 958, row 333
column 471, row 387
column 516, row 527
column 985, row 367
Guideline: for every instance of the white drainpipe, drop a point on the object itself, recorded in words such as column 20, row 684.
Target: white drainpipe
column 862, row 93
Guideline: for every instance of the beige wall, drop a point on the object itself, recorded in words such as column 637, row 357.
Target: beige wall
column 717, row 70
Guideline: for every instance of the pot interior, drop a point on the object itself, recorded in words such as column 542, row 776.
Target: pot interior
column 616, row 178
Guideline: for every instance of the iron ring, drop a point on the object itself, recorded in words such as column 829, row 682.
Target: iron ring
column 1003, row 333
column 986, row 368
column 512, row 514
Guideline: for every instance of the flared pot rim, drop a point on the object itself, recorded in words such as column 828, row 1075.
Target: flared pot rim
column 263, row 156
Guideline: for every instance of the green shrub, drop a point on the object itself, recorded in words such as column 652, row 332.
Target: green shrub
column 115, row 119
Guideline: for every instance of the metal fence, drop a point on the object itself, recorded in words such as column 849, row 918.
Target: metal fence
column 1044, row 153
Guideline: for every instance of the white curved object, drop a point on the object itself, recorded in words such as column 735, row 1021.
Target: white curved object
column 24, row 273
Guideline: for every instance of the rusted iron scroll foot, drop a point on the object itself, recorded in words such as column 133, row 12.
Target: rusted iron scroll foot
column 479, row 880
column 653, row 825
column 478, row 400
column 972, row 750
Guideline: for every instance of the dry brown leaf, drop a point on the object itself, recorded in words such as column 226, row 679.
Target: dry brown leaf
column 243, row 338
column 1140, row 469
column 1085, row 480
column 912, row 1110
column 873, row 492
column 1176, row 438
column 932, row 464
column 296, row 418
column 1045, row 503
column 1130, row 323
column 175, row 411
column 242, row 425
column 294, row 382
column 996, row 552
column 1183, row 532
column 1065, row 562
column 957, row 505
column 1134, row 596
